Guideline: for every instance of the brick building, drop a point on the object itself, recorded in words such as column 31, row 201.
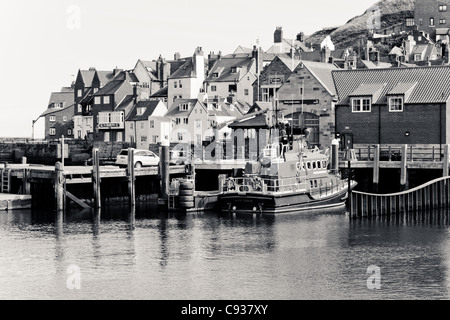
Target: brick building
column 393, row 106
column 307, row 97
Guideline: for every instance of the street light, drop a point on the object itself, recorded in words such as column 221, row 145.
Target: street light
column 32, row 127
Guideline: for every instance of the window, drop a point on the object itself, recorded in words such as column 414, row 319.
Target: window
column 442, row 21
column 185, row 120
column 215, row 75
column 301, row 91
column 52, row 118
column 395, row 104
column 410, row 22
column 143, row 138
column 64, row 118
column 97, row 100
column 154, row 139
column 180, row 136
column 246, row 92
column 443, row 8
column 175, row 84
column 79, row 93
column 95, row 90
column 213, row 88
column 152, row 124
column 198, row 124
column 140, row 111
column 177, row 121
column 131, row 126
column 184, row 107
column 233, row 69
column 69, row 132
column 417, row 57
column 52, row 131
column 431, row 22
column 181, row 85
column 106, row 99
column 361, row 105
column 80, row 108
column 142, row 126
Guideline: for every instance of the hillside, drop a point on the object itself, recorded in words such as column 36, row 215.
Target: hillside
column 392, row 12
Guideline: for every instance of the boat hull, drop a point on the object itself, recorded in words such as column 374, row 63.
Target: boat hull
column 279, row 203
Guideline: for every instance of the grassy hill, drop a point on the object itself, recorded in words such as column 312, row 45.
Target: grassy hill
column 391, row 12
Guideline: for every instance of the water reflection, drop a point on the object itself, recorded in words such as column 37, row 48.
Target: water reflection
column 145, row 253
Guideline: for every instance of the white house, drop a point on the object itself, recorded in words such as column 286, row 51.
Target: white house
column 187, row 81
column 146, row 124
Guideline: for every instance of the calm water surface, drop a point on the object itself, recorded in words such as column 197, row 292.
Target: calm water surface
column 150, row 255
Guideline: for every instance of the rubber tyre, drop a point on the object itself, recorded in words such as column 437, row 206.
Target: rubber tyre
column 138, row 165
column 186, row 205
column 186, row 198
column 186, row 186
column 183, row 192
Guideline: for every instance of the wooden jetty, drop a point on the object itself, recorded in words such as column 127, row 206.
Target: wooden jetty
column 49, row 186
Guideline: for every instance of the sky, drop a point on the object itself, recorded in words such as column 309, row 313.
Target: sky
column 44, row 43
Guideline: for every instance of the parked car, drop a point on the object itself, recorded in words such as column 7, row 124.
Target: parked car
column 142, row 158
column 178, row 157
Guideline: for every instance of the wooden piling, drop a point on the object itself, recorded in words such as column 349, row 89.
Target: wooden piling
column 376, row 167
column 164, row 169
column 96, row 178
column 59, row 186
column 131, row 178
column 403, row 172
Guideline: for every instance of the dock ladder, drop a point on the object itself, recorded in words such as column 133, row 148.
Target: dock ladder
column 6, row 180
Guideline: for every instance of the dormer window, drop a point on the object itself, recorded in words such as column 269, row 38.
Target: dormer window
column 361, row 104
column 215, row 75
column 234, row 69
column 395, row 104
column 106, row 99
column 140, row 111
column 58, row 105
column 184, row 107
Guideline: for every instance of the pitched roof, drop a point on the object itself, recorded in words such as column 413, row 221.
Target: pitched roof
column 105, row 76
column 223, row 68
column 186, row 70
column 322, row 72
column 432, row 83
column 161, row 93
column 125, row 103
column 57, row 97
column 149, row 105
column 289, row 62
column 88, row 76
column 175, row 111
column 110, row 88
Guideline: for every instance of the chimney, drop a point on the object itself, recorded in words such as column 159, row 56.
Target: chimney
column 325, row 54
column 177, row 56
column 301, row 37
column 116, row 71
column 278, row 35
column 231, row 99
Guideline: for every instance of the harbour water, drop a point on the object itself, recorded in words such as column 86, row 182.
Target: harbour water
column 212, row 256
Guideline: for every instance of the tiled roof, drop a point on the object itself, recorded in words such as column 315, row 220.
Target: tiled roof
column 224, row 67
column 105, row 76
column 56, row 97
column 161, row 92
column 88, row 76
column 175, row 111
column 125, row 103
column 150, row 106
column 110, row 88
column 369, row 89
column 187, row 70
column 290, row 63
column 432, row 83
